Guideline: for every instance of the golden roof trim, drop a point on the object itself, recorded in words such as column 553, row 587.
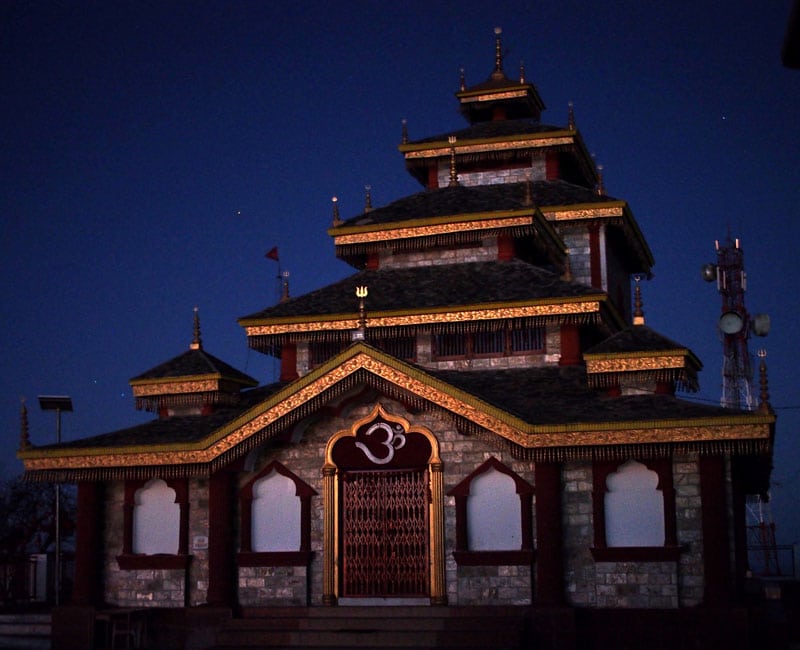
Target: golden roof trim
column 748, row 426
column 578, row 211
column 463, row 225
column 179, row 386
column 489, row 311
column 482, row 145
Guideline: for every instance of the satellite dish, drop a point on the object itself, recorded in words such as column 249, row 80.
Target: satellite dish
column 731, row 322
column 761, row 324
column 709, row 272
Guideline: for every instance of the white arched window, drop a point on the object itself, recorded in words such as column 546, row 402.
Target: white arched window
column 156, row 519
column 493, row 516
column 275, row 514
column 634, row 507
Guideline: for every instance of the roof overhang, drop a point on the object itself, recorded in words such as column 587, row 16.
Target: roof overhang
column 361, row 364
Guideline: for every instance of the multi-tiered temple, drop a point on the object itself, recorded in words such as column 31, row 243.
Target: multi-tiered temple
column 478, row 415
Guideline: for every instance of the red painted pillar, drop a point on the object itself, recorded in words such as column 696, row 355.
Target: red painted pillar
column 433, row 176
column 552, row 170
column 88, row 588
column 221, row 566
column 716, row 549
column 505, row 248
column 570, row 345
column 549, row 548
column 289, row 362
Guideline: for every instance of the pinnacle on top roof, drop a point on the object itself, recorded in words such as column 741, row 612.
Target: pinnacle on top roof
column 197, row 342
column 499, row 98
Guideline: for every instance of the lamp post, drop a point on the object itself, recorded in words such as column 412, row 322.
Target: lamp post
column 57, row 403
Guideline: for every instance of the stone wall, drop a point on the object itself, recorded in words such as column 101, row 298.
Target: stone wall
column 587, row 583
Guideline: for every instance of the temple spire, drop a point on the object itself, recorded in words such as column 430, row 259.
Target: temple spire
column 24, row 433
column 498, row 55
column 197, row 342
column 453, row 173
column 638, row 313
column 336, row 220
column 367, row 198
column 763, row 397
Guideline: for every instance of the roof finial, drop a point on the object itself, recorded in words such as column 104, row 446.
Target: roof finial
column 571, row 117
column 462, row 80
column 24, row 434
column 360, row 333
column 601, row 189
column 498, row 54
column 285, row 286
column 453, row 174
column 522, row 72
column 336, row 220
column 763, row 397
column 367, row 198
column 638, row 314
column 197, row 343
column 404, row 136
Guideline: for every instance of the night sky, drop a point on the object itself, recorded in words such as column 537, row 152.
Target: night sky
column 153, row 152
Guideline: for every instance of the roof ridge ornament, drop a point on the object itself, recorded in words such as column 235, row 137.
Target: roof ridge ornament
column 336, row 220
column 404, row 134
column 571, row 117
column 197, row 342
column 763, row 397
column 498, row 55
column 638, row 313
column 284, row 286
column 522, row 72
column 24, row 432
column 453, row 174
column 601, row 188
column 361, row 333
column 367, row 198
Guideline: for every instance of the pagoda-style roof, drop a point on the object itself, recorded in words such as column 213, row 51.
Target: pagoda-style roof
column 448, row 295
column 540, row 413
column 465, row 214
column 192, row 379
column 639, row 354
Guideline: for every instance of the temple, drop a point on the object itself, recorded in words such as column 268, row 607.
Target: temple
column 477, row 419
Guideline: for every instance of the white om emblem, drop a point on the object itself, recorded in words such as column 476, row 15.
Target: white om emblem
column 394, row 440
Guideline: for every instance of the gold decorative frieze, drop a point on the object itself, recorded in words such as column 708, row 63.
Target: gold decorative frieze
column 565, row 307
column 382, row 234
column 161, row 387
column 632, row 364
column 413, row 381
column 488, row 145
column 488, row 97
column 571, row 213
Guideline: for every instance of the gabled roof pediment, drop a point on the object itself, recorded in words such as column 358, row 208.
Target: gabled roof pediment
column 482, row 403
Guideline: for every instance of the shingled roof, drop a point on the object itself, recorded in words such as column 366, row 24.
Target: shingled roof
column 465, row 200
column 493, row 129
column 420, row 288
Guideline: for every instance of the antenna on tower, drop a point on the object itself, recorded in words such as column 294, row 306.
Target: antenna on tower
column 735, row 325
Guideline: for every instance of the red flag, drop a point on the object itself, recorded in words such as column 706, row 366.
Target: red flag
column 272, row 254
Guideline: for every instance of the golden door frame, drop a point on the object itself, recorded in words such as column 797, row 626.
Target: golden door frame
column 331, row 476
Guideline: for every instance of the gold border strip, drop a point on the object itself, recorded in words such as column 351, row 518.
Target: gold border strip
column 580, row 306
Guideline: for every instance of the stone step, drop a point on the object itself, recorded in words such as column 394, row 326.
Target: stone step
column 25, row 631
column 374, row 627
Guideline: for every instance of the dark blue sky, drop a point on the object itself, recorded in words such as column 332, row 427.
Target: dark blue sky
column 152, row 152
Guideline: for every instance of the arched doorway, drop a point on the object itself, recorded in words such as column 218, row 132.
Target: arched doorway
column 383, row 512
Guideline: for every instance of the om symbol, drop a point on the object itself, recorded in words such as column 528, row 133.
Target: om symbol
column 393, row 441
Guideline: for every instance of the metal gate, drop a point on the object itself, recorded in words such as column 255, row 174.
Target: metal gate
column 385, row 533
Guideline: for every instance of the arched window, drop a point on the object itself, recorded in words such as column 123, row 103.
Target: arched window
column 275, row 519
column 494, row 520
column 156, row 519
column 634, row 511
column 155, row 525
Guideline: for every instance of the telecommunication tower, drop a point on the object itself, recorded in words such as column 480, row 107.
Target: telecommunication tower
column 735, row 325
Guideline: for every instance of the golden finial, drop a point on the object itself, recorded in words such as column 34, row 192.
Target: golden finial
column 638, row 314
column 453, row 174
column 462, row 80
column 601, row 189
column 571, row 117
column 285, row 286
column 498, row 54
column 522, row 72
column 197, row 343
column 336, row 220
column 763, row 397
column 404, row 136
column 368, row 198
column 24, row 434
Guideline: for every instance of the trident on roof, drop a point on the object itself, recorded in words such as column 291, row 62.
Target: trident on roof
column 360, row 333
